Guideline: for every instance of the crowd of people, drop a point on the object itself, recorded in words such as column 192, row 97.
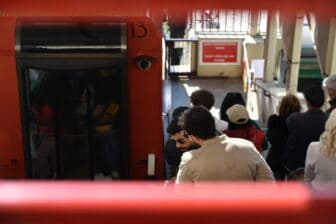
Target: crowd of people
column 301, row 144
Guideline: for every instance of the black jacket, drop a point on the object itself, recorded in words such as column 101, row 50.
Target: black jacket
column 277, row 134
column 172, row 157
column 304, row 128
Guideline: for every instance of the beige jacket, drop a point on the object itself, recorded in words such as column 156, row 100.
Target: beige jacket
column 224, row 158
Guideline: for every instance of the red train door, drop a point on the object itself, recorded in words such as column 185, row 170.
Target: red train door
column 89, row 96
column 73, row 82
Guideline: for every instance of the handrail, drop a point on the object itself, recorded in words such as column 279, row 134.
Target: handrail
column 249, row 80
column 246, row 69
column 266, row 91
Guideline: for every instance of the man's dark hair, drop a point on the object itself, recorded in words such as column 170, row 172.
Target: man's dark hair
column 174, row 126
column 179, row 111
column 315, row 96
column 199, row 122
column 202, row 97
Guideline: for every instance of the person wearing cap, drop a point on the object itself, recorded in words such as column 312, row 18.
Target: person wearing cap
column 240, row 126
column 331, row 89
column 231, row 99
column 219, row 158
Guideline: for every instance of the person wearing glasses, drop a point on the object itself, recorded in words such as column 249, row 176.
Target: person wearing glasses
column 219, row 158
column 175, row 145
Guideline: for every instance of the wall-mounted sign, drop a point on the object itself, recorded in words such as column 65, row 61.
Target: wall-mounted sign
column 219, row 52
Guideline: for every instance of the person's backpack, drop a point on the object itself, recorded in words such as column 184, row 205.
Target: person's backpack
column 254, row 135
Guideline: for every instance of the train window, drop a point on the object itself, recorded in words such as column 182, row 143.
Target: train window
column 71, row 38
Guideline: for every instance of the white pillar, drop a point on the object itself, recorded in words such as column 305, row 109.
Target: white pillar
column 270, row 47
column 254, row 23
column 331, row 48
column 294, row 57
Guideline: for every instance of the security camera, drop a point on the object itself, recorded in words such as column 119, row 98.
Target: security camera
column 144, row 62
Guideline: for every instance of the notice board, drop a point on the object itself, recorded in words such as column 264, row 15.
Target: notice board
column 219, row 52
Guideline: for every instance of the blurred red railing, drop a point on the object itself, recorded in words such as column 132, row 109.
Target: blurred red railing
column 154, row 202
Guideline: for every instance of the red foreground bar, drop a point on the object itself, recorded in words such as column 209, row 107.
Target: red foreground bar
column 75, row 7
column 153, row 202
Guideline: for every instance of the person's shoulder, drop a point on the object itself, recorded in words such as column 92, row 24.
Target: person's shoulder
column 294, row 117
column 274, row 119
column 220, row 121
column 328, row 112
column 189, row 155
column 220, row 124
column 313, row 150
column 255, row 123
column 238, row 142
column 170, row 144
column 314, row 146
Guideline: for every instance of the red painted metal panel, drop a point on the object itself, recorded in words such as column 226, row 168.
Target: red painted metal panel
column 89, row 202
column 11, row 153
column 145, row 101
column 145, row 87
column 133, row 7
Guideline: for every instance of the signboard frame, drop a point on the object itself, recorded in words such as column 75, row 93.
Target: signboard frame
column 220, row 44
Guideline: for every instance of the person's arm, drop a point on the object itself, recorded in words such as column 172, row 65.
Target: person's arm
column 172, row 156
column 265, row 144
column 183, row 174
column 275, row 130
column 265, row 141
column 98, row 111
column 263, row 171
column 309, row 164
column 289, row 151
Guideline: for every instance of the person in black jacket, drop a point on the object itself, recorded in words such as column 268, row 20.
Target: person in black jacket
column 304, row 128
column 277, row 134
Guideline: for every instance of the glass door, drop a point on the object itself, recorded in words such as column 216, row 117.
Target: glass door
column 74, row 122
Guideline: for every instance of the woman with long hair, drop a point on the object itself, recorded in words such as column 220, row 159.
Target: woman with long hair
column 277, row 134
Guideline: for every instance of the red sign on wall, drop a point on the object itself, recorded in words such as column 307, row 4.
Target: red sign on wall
column 220, row 52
